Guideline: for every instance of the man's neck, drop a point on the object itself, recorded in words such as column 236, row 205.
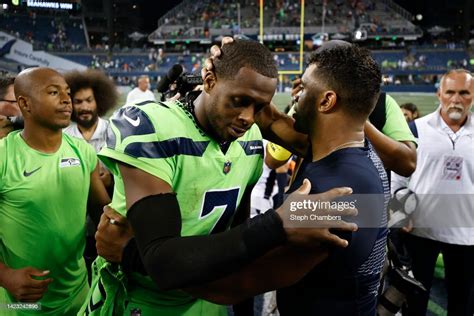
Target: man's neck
column 330, row 135
column 200, row 114
column 88, row 132
column 42, row 139
column 455, row 126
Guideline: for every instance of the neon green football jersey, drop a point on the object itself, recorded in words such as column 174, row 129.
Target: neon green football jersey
column 164, row 140
column 43, row 200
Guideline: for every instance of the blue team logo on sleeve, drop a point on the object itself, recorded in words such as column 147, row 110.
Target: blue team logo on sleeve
column 253, row 147
column 131, row 120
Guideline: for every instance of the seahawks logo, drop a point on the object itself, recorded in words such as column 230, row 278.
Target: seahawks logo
column 69, row 162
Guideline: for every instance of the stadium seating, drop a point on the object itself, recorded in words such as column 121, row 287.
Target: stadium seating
column 46, row 32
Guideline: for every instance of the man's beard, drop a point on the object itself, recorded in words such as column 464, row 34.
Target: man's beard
column 301, row 123
column 457, row 114
column 88, row 122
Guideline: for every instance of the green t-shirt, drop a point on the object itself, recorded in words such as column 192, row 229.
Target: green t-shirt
column 43, row 200
column 164, row 140
column 396, row 126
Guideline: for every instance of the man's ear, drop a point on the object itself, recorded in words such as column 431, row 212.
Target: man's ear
column 24, row 105
column 209, row 81
column 328, row 101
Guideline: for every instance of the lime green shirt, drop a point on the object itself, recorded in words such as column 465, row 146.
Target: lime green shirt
column 164, row 140
column 396, row 126
column 43, row 201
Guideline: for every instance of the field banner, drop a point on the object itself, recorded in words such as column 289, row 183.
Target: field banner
column 22, row 52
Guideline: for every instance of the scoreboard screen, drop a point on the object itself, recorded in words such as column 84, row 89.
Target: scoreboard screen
column 71, row 5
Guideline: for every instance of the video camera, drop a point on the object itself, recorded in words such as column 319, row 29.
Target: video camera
column 178, row 81
column 401, row 282
column 401, row 206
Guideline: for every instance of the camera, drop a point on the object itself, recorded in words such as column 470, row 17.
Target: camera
column 185, row 83
column 177, row 80
column 401, row 206
column 402, row 285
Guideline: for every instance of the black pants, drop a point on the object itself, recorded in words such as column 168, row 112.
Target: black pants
column 459, row 274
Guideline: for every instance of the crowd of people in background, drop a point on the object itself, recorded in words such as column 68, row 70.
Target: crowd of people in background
column 145, row 160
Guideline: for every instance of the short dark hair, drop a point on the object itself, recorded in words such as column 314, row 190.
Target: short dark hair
column 351, row 72
column 105, row 92
column 245, row 53
column 5, row 82
column 410, row 107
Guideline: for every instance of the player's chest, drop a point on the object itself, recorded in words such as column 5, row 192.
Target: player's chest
column 49, row 174
column 237, row 164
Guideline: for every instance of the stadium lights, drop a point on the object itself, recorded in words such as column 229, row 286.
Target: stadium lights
column 360, row 35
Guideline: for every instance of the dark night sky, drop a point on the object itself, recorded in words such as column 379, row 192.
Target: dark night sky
column 153, row 9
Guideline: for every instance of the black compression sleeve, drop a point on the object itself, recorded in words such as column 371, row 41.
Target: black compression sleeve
column 175, row 262
column 131, row 261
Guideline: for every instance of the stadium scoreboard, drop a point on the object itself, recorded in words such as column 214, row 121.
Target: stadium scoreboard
column 71, row 5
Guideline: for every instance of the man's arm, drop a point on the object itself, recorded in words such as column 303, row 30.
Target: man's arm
column 98, row 196
column 166, row 255
column 279, row 268
column 399, row 157
column 277, row 127
column 155, row 218
column 243, row 211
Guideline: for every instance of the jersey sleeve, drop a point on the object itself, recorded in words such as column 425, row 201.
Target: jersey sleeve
column 396, row 126
column 133, row 138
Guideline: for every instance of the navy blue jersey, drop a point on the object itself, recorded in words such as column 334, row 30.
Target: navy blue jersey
column 346, row 283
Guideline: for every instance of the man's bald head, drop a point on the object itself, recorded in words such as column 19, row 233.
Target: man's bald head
column 44, row 98
column 27, row 81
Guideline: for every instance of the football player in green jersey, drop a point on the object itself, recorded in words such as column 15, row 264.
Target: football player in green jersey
column 48, row 180
column 183, row 175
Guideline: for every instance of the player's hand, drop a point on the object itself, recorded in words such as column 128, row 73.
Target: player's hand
column 215, row 53
column 320, row 235
column 6, row 126
column 175, row 97
column 23, row 286
column 296, row 87
column 113, row 233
